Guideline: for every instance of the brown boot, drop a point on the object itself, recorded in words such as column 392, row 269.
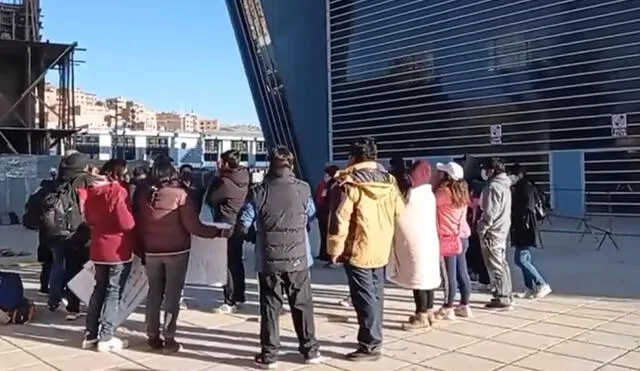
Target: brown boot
column 419, row 321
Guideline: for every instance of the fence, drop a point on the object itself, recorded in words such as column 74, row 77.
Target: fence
column 19, row 176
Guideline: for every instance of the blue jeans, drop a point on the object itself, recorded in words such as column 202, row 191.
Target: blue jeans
column 104, row 305
column 456, row 276
column 523, row 259
column 367, row 296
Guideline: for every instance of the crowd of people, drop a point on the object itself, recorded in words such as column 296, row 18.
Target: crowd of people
column 413, row 226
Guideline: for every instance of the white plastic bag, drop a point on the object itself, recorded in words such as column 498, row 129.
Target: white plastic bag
column 208, row 257
column 134, row 293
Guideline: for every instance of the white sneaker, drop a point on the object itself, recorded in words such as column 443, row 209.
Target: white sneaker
column 527, row 294
column 227, row 309
column 113, row 345
column 346, row 302
column 73, row 316
column 543, row 291
column 89, row 344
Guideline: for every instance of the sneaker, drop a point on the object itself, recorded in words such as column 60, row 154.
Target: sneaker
column 227, row 309
column 155, row 343
column 345, row 303
column 420, row 321
column 262, row 361
column 171, row 346
column 448, row 314
column 313, row 358
column 72, row 316
column 363, row 355
column 89, row 343
column 499, row 304
column 60, row 307
column 112, row 345
column 463, row 311
column 542, row 292
column 527, row 294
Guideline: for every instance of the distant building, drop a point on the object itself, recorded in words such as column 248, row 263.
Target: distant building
column 169, row 121
column 208, row 125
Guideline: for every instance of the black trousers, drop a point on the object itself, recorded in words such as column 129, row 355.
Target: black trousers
column 323, row 221
column 424, row 300
column 297, row 287
column 367, row 295
column 234, row 290
column 75, row 258
column 475, row 260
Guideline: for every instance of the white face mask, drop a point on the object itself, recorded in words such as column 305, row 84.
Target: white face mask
column 514, row 178
column 326, row 178
column 483, row 174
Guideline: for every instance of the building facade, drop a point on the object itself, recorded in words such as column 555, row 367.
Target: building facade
column 553, row 86
column 198, row 150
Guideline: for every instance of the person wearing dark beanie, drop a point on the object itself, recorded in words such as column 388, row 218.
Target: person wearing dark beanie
column 69, row 255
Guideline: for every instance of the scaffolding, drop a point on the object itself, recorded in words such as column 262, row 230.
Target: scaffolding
column 24, row 62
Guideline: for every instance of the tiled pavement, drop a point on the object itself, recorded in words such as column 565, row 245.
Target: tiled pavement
column 565, row 332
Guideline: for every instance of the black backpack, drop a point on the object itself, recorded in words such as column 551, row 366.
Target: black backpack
column 61, row 214
column 32, row 218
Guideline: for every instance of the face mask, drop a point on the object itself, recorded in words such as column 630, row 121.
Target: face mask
column 327, row 178
column 483, row 174
column 514, row 179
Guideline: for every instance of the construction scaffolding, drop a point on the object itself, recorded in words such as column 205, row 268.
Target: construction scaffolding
column 25, row 116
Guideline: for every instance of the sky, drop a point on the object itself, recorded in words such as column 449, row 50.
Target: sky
column 163, row 54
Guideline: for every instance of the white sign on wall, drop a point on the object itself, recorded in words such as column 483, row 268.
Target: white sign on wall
column 496, row 134
column 619, row 125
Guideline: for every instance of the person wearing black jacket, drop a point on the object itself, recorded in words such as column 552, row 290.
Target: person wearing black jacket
column 524, row 233
column 280, row 207
column 69, row 256
column 226, row 196
column 398, row 169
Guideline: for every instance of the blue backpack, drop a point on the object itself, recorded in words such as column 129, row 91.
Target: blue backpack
column 11, row 291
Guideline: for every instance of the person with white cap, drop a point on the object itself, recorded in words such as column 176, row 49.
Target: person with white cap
column 452, row 202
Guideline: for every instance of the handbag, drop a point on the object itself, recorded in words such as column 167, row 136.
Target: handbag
column 451, row 245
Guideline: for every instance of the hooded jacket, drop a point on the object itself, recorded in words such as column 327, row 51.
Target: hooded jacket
column 362, row 225
column 108, row 213
column 228, row 193
column 495, row 202
column 166, row 217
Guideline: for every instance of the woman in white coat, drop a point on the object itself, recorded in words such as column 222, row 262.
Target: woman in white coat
column 415, row 259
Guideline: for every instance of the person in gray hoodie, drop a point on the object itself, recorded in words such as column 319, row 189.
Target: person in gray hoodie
column 493, row 230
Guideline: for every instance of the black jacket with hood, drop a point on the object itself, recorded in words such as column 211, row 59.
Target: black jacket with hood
column 228, row 193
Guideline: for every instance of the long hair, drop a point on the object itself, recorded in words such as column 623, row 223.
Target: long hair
column 459, row 190
column 163, row 173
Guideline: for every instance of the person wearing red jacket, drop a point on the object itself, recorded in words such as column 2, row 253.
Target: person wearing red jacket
column 108, row 212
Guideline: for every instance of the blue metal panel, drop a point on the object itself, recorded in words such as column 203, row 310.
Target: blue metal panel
column 286, row 66
column 567, row 183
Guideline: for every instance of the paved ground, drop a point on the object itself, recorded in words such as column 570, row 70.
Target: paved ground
column 592, row 322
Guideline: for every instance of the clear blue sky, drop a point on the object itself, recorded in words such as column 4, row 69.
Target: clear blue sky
column 160, row 53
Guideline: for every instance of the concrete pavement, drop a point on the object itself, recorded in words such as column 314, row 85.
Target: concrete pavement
column 591, row 322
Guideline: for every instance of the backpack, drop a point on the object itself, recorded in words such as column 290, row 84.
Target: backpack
column 11, row 291
column 32, row 218
column 21, row 315
column 61, row 213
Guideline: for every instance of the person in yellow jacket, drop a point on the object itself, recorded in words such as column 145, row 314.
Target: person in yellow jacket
column 360, row 235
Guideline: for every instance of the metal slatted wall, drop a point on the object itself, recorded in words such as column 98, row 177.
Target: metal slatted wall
column 255, row 34
column 429, row 77
column 612, row 182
